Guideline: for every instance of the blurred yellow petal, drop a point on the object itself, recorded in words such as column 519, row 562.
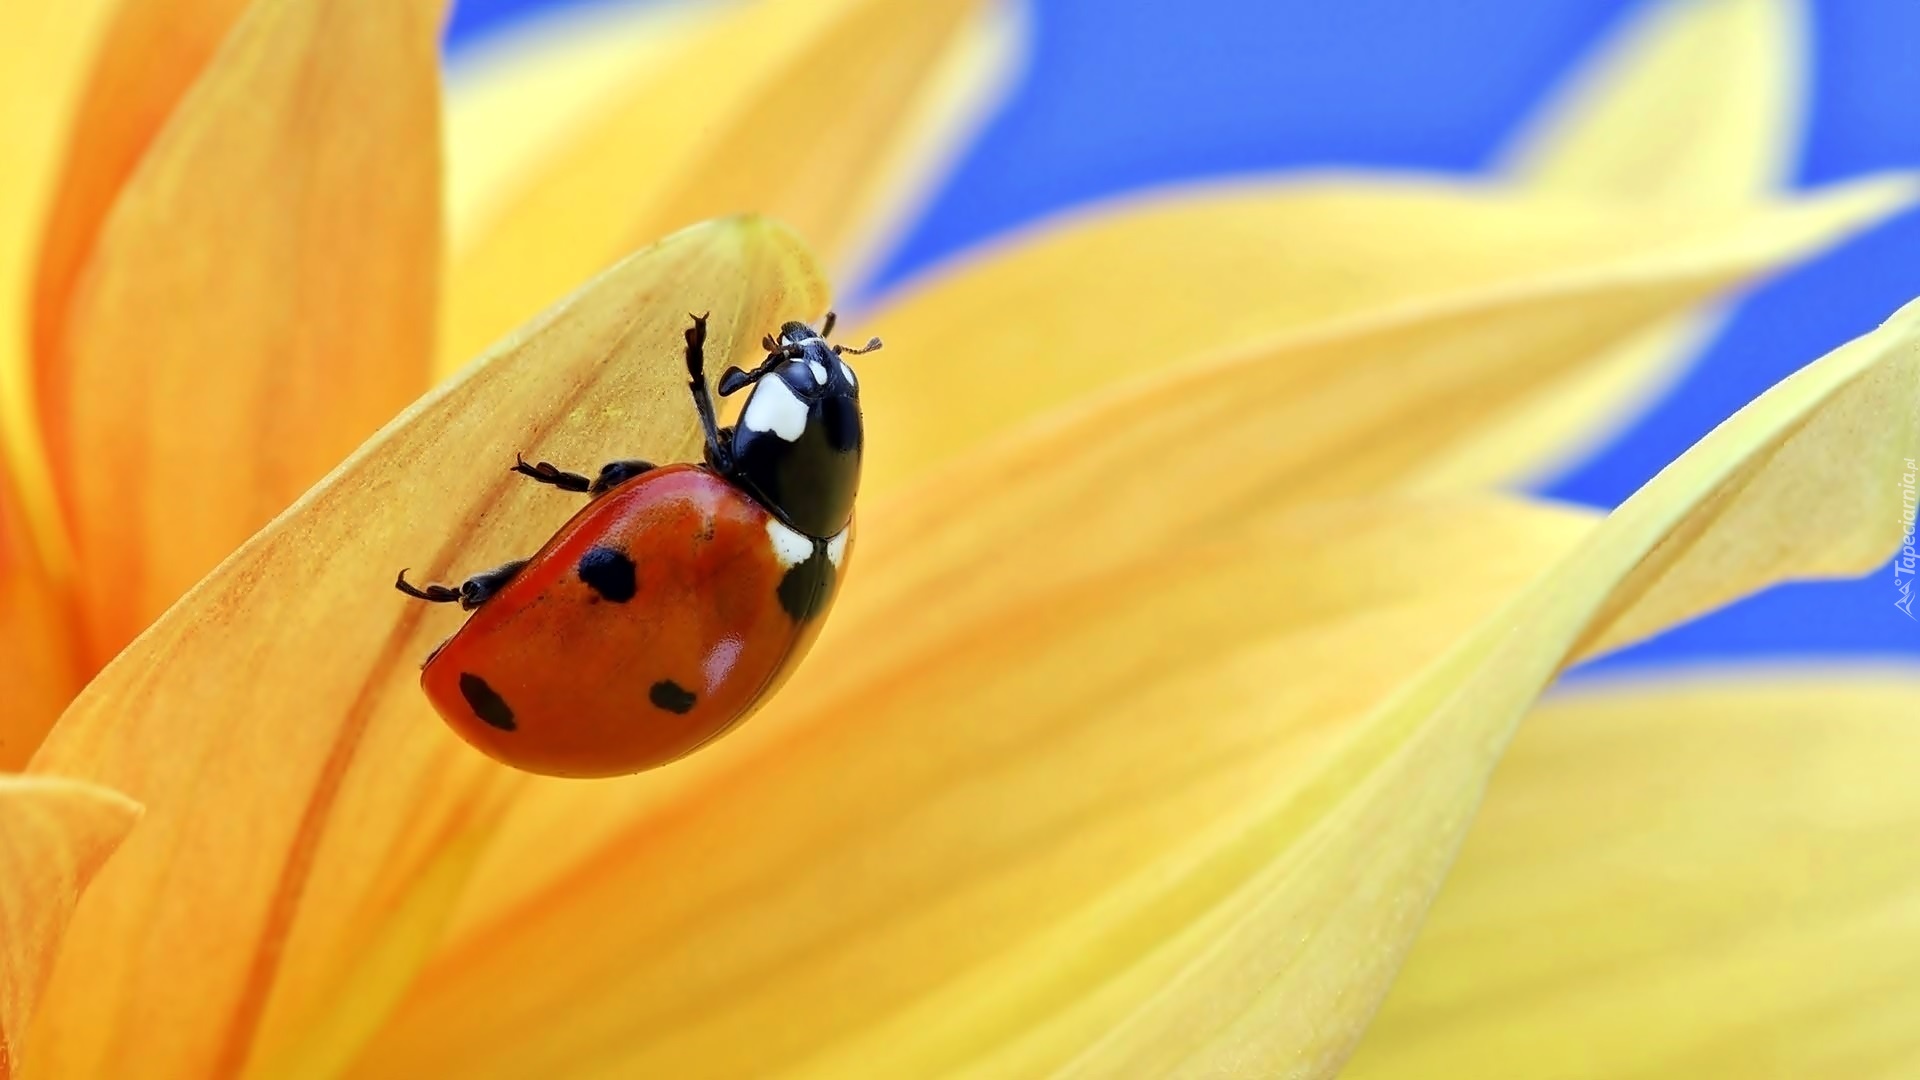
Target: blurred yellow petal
column 1698, row 101
column 260, row 300
column 149, row 53
column 783, row 107
column 272, row 722
column 516, row 98
column 1703, row 877
column 958, row 95
column 54, row 835
column 1695, row 102
column 1100, row 299
column 856, row 849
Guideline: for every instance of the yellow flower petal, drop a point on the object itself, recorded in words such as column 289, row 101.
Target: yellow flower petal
column 1698, row 102
column 1281, row 959
column 781, row 108
column 865, row 843
column 1695, row 103
column 1100, row 300
column 148, row 54
column 309, row 819
column 54, row 835
column 1703, row 877
column 518, row 98
column 260, row 300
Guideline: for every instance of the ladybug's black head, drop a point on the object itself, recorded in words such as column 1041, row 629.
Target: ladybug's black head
column 797, row 444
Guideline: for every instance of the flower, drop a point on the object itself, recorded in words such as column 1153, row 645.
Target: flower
column 1100, row 764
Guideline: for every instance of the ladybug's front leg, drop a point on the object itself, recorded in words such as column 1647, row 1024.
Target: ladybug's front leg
column 612, row 474
column 472, row 592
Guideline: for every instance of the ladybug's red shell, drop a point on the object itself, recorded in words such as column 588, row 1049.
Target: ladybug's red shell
column 654, row 621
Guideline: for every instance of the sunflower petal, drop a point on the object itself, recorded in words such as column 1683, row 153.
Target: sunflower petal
column 149, row 53
column 1698, row 102
column 859, row 846
column 1702, row 876
column 201, row 386
column 44, row 50
column 777, row 109
column 37, row 665
column 54, row 835
column 1274, row 953
column 1694, row 103
column 1129, row 293
column 515, row 100
column 309, row 819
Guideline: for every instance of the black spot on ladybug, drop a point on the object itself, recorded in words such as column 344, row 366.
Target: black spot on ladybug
column 610, row 573
column 671, row 696
column 806, row 587
column 487, row 705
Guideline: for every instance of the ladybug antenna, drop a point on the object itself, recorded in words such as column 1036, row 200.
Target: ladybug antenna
column 826, row 328
column 848, row 350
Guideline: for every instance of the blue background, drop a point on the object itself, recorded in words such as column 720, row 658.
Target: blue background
column 1141, row 92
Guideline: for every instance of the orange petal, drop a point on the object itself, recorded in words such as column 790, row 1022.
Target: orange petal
column 1133, row 291
column 149, row 54
column 38, row 665
column 44, row 49
column 259, row 301
column 859, row 848
column 54, row 836
column 783, row 108
column 309, row 819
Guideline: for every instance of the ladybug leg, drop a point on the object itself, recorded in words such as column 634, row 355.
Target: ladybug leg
column 548, row 474
column 472, row 592
column 717, row 454
column 733, row 380
column 615, row 473
column 612, row 473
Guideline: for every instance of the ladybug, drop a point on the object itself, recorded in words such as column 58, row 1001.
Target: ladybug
column 680, row 598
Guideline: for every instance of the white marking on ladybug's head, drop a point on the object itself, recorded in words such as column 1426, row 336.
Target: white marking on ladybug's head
column 846, row 372
column 819, row 372
column 837, row 547
column 774, row 407
column 790, row 547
